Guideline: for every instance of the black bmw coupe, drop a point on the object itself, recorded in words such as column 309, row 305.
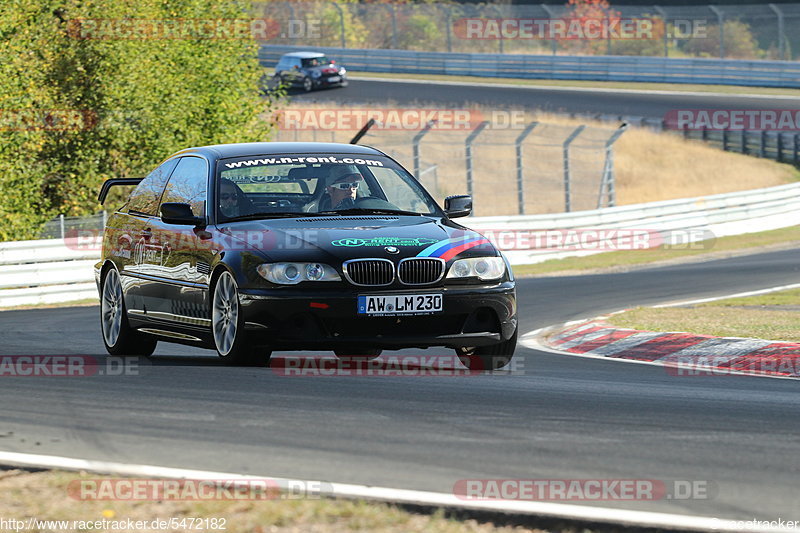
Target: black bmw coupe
column 249, row 248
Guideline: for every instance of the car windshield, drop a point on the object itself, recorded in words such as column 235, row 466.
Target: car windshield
column 315, row 61
column 275, row 186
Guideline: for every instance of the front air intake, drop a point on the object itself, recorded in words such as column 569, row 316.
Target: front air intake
column 369, row 272
column 420, row 270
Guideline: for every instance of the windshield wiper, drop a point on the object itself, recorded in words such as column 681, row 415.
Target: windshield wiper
column 372, row 211
column 273, row 214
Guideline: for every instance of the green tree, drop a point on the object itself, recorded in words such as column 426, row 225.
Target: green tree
column 739, row 42
column 81, row 100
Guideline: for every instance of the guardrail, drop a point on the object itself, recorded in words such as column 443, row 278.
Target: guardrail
column 596, row 68
column 47, row 271
column 56, row 270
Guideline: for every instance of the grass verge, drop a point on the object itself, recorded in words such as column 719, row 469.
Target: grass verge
column 73, row 303
column 627, row 260
column 44, row 495
column 633, row 86
column 772, row 316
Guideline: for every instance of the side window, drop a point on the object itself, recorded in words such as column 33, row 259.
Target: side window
column 144, row 198
column 188, row 185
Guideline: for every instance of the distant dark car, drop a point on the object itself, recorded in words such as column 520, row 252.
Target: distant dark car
column 237, row 248
column 309, row 70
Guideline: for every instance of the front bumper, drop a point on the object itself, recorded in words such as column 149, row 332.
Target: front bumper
column 298, row 318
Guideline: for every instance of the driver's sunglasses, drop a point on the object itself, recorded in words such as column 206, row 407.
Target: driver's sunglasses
column 345, row 186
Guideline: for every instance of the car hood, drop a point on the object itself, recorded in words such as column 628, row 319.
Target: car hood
column 339, row 238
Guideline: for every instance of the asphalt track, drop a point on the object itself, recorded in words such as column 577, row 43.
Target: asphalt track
column 557, row 417
column 636, row 104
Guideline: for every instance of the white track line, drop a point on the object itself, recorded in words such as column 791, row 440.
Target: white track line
column 736, row 295
column 571, row 89
column 401, row 496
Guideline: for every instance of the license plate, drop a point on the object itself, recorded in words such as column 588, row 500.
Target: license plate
column 334, row 79
column 405, row 304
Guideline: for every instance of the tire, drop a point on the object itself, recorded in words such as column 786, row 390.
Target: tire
column 227, row 326
column 119, row 337
column 344, row 83
column 492, row 357
column 307, row 84
column 358, row 355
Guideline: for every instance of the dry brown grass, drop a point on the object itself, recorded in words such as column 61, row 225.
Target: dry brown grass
column 649, row 166
column 44, row 495
column 652, row 166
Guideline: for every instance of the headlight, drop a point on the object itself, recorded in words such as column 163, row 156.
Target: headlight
column 342, row 71
column 294, row 273
column 316, row 73
column 483, row 268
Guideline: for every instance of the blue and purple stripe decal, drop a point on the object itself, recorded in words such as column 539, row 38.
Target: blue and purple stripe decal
column 449, row 248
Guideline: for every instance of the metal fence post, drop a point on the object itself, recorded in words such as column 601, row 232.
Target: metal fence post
column 779, row 148
column 567, row 192
column 61, row 224
column 105, row 218
column 744, row 141
column 721, row 21
column 394, row 25
column 781, row 36
column 725, row 140
column 468, row 146
column 449, row 23
column 415, row 145
column 550, row 14
column 500, row 39
column 796, row 148
column 660, row 10
column 291, row 10
column 341, row 24
column 608, row 181
column 763, row 147
column 520, row 175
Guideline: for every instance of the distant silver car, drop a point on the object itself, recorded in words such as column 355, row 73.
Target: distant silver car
column 309, row 70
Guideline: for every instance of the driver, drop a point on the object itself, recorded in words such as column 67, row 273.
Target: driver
column 229, row 198
column 342, row 185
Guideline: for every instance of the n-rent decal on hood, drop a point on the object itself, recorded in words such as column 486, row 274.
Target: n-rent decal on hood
column 449, row 248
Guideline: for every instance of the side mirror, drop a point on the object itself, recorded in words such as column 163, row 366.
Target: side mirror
column 458, row 206
column 179, row 214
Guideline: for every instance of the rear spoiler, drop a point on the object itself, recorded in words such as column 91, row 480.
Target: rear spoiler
column 113, row 182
